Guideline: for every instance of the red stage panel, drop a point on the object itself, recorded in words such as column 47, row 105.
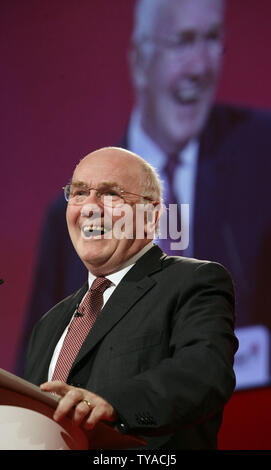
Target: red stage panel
column 247, row 421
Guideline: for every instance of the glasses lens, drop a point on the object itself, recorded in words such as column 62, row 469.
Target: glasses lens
column 67, row 192
column 78, row 194
column 111, row 196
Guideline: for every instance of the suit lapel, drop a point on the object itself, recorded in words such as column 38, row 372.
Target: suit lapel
column 58, row 322
column 207, row 197
column 69, row 306
column 131, row 289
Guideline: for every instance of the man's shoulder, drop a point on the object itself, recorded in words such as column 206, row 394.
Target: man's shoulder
column 58, row 205
column 235, row 131
column 195, row 274
column 178, row 263
column 156, row 258
column 68, row 304
column 155, row 261
column 228, row 117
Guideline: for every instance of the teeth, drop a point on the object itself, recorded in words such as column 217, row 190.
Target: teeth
column 93, row 231
column 187, row 95
column 94, row 228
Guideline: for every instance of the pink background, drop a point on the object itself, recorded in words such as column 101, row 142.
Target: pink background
column 65, row 91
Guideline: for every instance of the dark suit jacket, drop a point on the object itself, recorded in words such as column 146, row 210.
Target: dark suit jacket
column 161, row 351
column 232, row 220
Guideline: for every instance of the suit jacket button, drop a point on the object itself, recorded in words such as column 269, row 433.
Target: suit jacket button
column 122, row 428
column 73, row 384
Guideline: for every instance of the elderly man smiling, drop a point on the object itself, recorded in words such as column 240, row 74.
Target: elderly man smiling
column 151, row 346
column 212, row 156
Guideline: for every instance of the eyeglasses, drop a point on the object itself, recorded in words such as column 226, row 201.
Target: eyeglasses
column 77, row 194
column 182, row 45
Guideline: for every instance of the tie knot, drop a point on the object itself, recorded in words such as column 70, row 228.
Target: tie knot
column 100, row 284
column 171, row 164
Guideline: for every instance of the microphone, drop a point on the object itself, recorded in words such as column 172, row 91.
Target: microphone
column 76, row 313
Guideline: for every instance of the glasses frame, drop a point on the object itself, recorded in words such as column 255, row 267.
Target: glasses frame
column 175, row 44
column 122, row 191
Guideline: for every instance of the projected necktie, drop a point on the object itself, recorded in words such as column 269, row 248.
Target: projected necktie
column 171, row 198
column 80, row 326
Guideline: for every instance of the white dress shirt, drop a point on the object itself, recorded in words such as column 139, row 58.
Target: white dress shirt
column 115, row 278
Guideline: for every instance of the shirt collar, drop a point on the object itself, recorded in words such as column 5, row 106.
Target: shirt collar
column 143, row 145
column 116, row 277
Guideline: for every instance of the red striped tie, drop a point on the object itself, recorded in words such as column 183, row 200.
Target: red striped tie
column 79, row 328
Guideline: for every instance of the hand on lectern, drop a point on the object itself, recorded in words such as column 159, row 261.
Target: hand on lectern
column 88, row 408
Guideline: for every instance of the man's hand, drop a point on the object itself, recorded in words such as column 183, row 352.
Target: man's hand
column 87, row 406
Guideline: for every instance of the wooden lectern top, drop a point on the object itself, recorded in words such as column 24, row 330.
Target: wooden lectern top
column 19, row 393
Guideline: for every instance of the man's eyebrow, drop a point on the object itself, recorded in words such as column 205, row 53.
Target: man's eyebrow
column 78, row 183
column 191, row 32
column 108, row 184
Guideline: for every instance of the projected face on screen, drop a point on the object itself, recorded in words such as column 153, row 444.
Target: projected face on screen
column 176, row 68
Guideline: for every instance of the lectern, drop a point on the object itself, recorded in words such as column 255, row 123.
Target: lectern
column 26, row 422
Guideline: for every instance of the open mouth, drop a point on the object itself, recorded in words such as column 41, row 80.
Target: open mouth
column 187, row 95
column 93, row 231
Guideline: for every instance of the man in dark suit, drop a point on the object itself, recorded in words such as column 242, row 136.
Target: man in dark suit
column 158, row 360
column 223, row 158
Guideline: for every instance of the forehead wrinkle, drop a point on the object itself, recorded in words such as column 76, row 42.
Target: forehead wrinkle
column 169, row 15
column 102, row 183
column 190, row 30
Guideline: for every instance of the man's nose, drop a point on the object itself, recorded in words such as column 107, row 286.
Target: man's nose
column 199, row 61
column 89, row 209
column 93, row 197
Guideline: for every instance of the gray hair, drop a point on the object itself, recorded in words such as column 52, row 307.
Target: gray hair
column 151, row 187
column 151, row 184
column 145, row 15
column 144, row 18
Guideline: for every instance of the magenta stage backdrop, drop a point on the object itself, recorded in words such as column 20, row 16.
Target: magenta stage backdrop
column 65, row 91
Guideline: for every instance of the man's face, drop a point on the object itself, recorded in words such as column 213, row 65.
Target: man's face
column 180, row 77
column 103, row 254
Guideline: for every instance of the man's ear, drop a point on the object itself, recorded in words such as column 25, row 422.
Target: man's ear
column 158, row 212
column 151, row 218
column 138, row 65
